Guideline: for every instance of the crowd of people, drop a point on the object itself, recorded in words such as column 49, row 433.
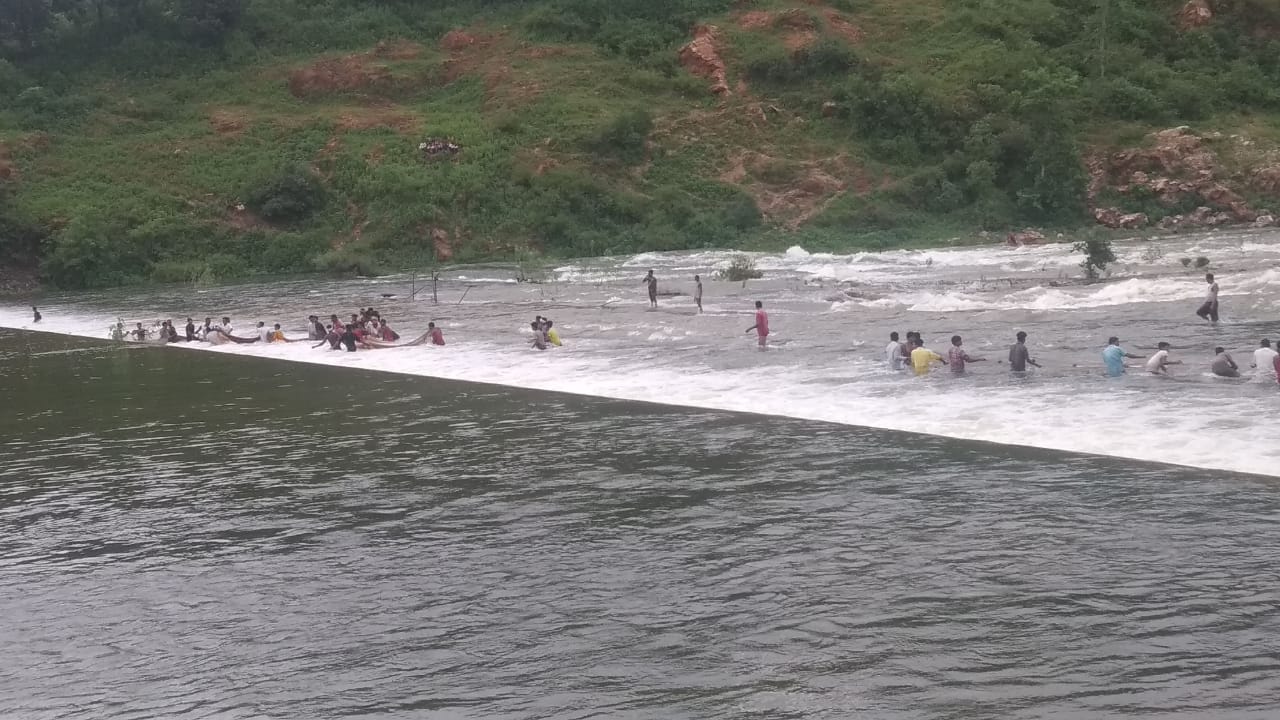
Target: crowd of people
column 366, row 329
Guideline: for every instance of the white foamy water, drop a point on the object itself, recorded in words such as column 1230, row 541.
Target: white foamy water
column 826, row 365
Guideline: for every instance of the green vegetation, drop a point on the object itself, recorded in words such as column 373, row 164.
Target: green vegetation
column 201, row 140
column 740, row 269
column 1097, row 256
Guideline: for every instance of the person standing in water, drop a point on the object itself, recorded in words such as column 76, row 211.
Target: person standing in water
column 652, row 282
column 437, row 335
column 1264, row 362
column 1020, row 356
column 37, row 317
column 1113, row 357
column 697, row 291
column 957, row 357
column 895, row 353
column 922, row 358
column 1223, row 364
column 1209, row 310
column 1158, row 364
column 762, row 326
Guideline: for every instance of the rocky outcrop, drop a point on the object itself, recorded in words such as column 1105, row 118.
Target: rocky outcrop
column 701, row 56
column 1177, row 169
column 1195, row 14
column 1025, row 237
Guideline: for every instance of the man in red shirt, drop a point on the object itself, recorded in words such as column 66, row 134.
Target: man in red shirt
column 437, row 336
column 762, row 325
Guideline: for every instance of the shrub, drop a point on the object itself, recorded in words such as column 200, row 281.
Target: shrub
column 1097, row 255
column 740, row 269
column 293, row 195
column 348, row 261
column 624, row 136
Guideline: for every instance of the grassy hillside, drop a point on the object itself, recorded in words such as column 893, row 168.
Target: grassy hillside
column 188, row 140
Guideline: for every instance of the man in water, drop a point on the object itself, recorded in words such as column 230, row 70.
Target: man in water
column 1223, row 364
column 697, row 291
column 1020, row 356
column 385, row 333
column 191, row 330
column 762, row 325
column 652, row 282
column 1209, row 310
column 316, row 329
column 226, row 326
column 437, row 336
column 1264, row 362
column 264, row 332
column 348, row 338
column 957, row 357
column 1113, row 357
column 922, row 357
column 37, row 317
column 895, row 353
column 139, row 333
column 117, row 331
column 1158, row 364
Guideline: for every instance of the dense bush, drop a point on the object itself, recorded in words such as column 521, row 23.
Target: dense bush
column 291, row 196
column 624, row 137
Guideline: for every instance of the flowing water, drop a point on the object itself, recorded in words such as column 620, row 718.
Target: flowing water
column 484, row 530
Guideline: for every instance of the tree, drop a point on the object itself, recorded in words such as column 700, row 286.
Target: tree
column 21, row 22
column 1097, row 255
column 208, row 21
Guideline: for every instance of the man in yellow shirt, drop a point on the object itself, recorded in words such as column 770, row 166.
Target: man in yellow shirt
column 922, row 358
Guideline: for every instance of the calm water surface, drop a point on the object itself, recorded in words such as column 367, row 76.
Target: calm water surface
column 204, row 536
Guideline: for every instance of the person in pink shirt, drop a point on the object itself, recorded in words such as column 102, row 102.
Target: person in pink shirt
column 437, row 336
column 762, row 325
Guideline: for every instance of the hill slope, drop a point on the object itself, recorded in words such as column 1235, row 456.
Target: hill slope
column 205, row 139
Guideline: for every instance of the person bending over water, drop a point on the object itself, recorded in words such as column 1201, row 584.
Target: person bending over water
column 1223, row 365
column 1158, row 364
column 761, row 327
column 349, row 338
column 957, row 357
column 437, row 335
column 1209, row 310
column 1113, row 357
column 1020, row 356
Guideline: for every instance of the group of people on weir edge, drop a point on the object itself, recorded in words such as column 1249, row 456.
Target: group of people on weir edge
column 367, row 329
column 914, row 355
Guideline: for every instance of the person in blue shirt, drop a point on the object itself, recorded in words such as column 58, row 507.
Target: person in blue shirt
column 1113, row 357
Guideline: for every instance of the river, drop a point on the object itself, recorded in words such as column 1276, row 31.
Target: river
column 654, row 521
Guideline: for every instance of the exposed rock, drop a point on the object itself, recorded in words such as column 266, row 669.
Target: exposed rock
column 1113, row 218
column 1025, row 237
column 1267, row 180
column 701, row 56
column 829, row 108
column 1263, row 221
column 1195, row 14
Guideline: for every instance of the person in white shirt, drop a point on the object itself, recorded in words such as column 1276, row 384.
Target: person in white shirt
column 893, row 353
column 1159, row 363
column 264, row 332
column 1264, row 362
column 1209, row 310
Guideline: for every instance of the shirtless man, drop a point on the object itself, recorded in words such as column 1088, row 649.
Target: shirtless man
column 652, row 282
column 697, row 291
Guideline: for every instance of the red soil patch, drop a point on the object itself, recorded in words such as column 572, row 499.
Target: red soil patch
column 350, row 73
column 701, row 56
column 755, row 20
column 842, row 28
column 370, row 118
column 804, row 189
column 227, row 122
column 397, row 50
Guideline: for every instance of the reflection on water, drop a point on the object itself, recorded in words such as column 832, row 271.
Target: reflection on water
column 201, row 536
